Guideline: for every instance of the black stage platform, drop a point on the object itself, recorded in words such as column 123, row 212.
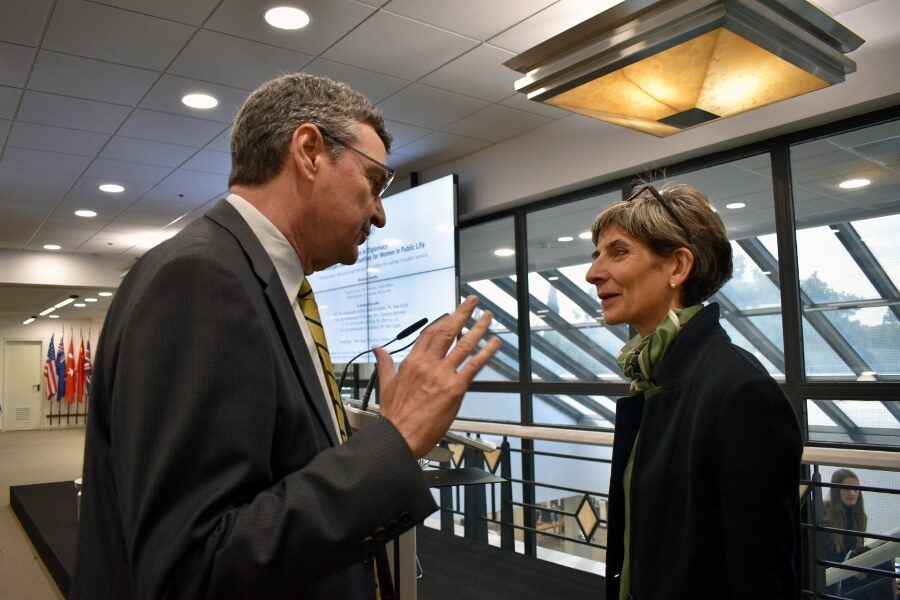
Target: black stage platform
column 453, row 567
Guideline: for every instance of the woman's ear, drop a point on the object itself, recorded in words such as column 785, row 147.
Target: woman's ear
column 682, row 267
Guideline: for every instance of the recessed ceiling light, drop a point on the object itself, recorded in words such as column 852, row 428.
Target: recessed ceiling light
column 85, row 213
column 735, row 205
column 52, row 247
column 29, row 320
column 54, row 316
column 565, row 238
column 853, row 184
column 105, row 294
column 203, row 101
column 79, row 305
column 111, row 188
column 552, row 278
column 90, row 299
column 585, row 235
column 287, row 17
column 504, row 252
column 46, row 312
column 64, row 302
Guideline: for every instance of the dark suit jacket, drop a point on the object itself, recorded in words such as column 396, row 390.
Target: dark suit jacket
column 211, row 464
column 715, row 482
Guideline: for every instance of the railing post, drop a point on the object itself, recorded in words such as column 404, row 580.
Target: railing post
column 446, row 494
column 818, row 541
column 507, row 532
column 475, row 501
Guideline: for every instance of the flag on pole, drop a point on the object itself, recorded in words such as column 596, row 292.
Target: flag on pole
column 71, row 379
column 61, row 369
column 79, row 373
column 50, row 371
column 88, row 367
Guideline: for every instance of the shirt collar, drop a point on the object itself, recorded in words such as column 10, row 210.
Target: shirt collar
column 283, row 256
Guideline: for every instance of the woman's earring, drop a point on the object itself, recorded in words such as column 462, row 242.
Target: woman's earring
column 672, row 285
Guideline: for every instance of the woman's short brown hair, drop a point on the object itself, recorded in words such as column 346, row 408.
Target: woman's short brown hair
column 647, row 220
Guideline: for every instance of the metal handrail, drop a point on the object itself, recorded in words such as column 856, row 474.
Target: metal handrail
column 812, row 455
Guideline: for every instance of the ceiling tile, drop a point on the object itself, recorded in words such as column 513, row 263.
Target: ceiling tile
column 480, row 72
column 171, row 129
column 8, row 98
column 195, row 184
column 374, row 86
column 554, row 19
column 473, row 18
column 85, row 194
column 96, row 31
column 41, row 160
column 440, row 147
column 221, row 143
column 398, row 46
column 23, row 22
column 4, row 127
column 56, row 139
column 184, row 200
column 75, row 113
column 35, row 191
column 404, row 134
column 234, row 61
column 193, row 12
column 166, row 97
column 428, row 107
column 127, row 172
column 15, row 61
column 497, row 123
column 210, row 161
column 146, row 151
column 519, row 101
column 90, row 79
column 330, row 20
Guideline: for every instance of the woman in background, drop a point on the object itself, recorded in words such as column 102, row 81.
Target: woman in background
column 844, row 509
column 706, row 428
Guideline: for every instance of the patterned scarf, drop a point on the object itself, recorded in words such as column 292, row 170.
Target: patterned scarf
column 640, row 357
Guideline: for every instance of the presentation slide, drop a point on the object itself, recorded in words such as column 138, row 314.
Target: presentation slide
column 405, row 271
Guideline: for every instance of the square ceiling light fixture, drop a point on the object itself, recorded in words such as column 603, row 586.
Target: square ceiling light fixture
column 663, row 66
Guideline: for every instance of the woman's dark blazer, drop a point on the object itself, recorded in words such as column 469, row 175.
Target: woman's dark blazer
column 716, row 477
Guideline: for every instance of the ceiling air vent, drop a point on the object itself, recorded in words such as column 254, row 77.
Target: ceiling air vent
column 883, row 152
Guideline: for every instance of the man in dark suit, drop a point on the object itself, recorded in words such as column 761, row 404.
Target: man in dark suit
column 216, row 462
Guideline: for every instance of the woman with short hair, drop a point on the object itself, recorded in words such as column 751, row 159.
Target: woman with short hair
column 706, row 427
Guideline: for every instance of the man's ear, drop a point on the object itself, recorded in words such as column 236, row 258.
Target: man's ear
column 682, row 267
column 306, row 150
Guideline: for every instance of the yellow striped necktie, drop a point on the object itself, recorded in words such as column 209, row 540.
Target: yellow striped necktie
column 310, row 311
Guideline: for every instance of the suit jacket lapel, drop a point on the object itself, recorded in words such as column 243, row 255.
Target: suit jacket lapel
column 225, row 215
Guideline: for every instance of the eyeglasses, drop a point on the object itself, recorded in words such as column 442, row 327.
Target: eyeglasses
column 665, row 205
column 379, row 186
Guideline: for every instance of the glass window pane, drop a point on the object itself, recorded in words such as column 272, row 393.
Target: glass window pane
column 574, row 410
column 569, row 339
column 847, row 252
column 870, row 422
column 487, row 256
column 490, row 406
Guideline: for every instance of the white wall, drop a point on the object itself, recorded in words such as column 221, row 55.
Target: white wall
column 12, row 329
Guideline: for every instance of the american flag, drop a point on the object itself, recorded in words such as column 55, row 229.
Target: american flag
column 60, row 369
column 88, row 368
column 50, row 371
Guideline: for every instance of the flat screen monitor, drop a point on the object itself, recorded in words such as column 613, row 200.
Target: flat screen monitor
column 405, row 271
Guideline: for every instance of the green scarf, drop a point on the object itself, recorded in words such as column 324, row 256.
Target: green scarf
column 641, row 356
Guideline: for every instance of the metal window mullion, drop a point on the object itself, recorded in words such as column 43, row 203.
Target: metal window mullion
column 750, row 331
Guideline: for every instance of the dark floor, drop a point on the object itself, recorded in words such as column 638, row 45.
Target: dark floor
column 453, row 567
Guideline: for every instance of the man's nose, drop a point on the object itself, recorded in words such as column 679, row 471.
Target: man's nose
column 379, row 219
